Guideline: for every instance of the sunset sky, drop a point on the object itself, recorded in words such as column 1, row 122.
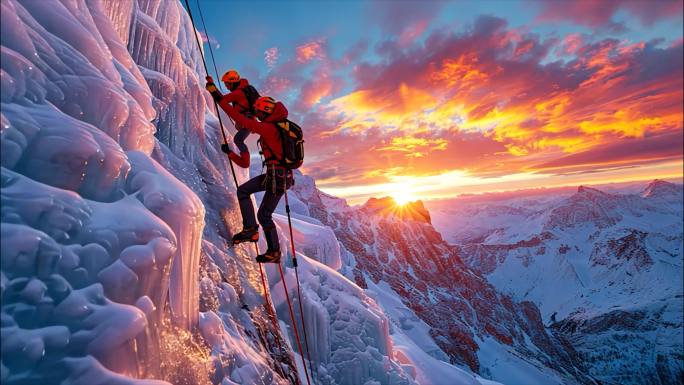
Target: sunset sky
column 439, row 98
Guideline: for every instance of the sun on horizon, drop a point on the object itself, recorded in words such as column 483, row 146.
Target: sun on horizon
column 402, row 197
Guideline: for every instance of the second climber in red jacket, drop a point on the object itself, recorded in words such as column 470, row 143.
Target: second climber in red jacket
column 241, row 92
column 273, row 182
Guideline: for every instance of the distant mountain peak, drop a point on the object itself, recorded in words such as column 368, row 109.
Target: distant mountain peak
column 660, row 188
column 387, row 206
column 589, row 190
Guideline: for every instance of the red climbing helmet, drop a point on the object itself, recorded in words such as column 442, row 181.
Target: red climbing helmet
column 265, row 104
column 231, row 76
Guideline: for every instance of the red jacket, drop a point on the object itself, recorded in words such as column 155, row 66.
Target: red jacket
column 267, row 130
column 237, row 97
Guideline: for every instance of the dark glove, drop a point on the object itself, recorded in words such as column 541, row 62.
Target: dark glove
column 215, row 93
column 210, row 86
column 226, row 148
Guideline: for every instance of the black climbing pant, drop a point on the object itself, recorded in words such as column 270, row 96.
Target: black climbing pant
column 239, row 139
column 273, row 184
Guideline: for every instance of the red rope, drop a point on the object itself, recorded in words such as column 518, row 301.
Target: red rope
column 271, row 312
column 294, row 263
column 294, row 325
column 269, row 307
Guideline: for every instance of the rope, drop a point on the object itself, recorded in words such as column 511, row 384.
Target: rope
column 294, row 263
column 269, row 308
column 211, row 53
column 289, row 305
column 294, row 324
column 206, row 70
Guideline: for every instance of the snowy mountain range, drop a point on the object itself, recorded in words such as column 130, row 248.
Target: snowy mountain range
column 604, row 268
column 117, row 205
column 395, row 251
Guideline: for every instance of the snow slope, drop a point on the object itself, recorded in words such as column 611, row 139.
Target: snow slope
column 604, row 268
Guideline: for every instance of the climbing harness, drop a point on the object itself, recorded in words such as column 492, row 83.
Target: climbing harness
column 206, row 70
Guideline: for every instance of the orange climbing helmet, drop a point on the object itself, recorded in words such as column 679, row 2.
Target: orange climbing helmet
column 231, row 76
column 265, row 104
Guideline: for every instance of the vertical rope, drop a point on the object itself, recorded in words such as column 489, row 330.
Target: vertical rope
column 282, row 276
column 211, row 51
column 294, row 263
column 263, row 281
column 206, row 70
column 270, row 311
column 294, row 324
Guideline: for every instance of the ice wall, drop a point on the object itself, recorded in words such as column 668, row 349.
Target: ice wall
column 101, row 241
column 66, row 296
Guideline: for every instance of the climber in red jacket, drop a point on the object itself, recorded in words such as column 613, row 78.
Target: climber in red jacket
column 242, row 96
column 274, row 182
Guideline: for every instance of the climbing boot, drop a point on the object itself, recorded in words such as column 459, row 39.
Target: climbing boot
column 271, row 256
column 248, row 234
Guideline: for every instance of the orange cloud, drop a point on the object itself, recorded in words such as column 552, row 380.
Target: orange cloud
column 415, row 147
column 488, row 103
column 309, row 51
column 462, row 72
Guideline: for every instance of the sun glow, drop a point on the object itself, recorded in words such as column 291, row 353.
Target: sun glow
column 402, row 197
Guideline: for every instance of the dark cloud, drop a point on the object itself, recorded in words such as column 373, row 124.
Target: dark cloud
column 393, row 19
column 633, row 150
column 599, row 13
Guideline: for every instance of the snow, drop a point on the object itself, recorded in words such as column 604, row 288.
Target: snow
column 598, row 257
column 489, row 222
column 352, row 343
column 413, row 345
column 503, row 363
column 314, row 241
